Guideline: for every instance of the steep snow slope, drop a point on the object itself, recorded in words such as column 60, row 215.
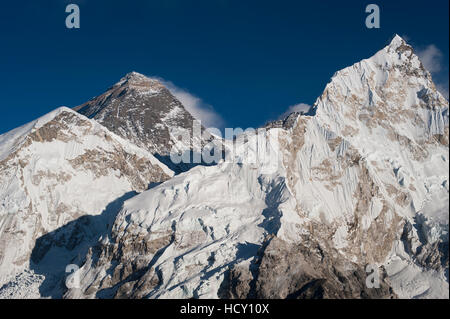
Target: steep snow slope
column 388, row 110
column 56, row 169
column 362, row 179
column 183, row 246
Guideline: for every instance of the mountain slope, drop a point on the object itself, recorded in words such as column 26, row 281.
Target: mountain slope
column 143, row 111
column 360, row 180
column 57, row 169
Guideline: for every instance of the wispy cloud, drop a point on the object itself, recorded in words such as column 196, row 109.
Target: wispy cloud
column 431, row 58
column 300, row 107
column 443, row 88
column 196, row 106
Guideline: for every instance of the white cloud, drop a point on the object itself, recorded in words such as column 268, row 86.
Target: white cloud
column 301, row 107
column 196, row 106
column 406, row 38
column 443, row 89
column 431, row 58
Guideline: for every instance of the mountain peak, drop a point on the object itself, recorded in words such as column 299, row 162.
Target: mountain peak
column 140, row 82
column 142, row 110
column 399, row 45
column 11, row 140
column 388, row 88
column 397, row 41
column 134, row 76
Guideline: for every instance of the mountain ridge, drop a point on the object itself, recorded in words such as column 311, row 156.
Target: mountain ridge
column 346, row 189
column 360, row 180
column 50, row 167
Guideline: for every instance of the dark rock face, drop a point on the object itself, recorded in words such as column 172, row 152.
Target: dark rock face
column 431, row 256
column 286, row 123
column 303, row 271
column 141, row 110
column 130, row 260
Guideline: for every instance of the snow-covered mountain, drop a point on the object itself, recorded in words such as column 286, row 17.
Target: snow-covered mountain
column 57, row 169
column 360, row 180
column 298, row 209
column 143, row 111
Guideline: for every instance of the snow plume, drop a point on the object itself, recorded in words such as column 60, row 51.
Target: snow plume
column 301, row 108
column 431, row 58
column 195, row 105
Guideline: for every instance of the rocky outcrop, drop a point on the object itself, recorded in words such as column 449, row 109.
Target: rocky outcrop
column 60, row 168
column 143, row 111
column 358, row 184
column 349, row 175
column 301, row 271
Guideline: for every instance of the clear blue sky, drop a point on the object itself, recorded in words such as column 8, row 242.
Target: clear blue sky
column 250, row 60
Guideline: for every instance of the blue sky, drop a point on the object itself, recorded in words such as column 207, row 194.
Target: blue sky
column 243, row 61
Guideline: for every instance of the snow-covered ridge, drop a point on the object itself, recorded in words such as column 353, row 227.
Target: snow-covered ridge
column 58, row 168
column 12, row 140
column 362, row 179
column 371, row 159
